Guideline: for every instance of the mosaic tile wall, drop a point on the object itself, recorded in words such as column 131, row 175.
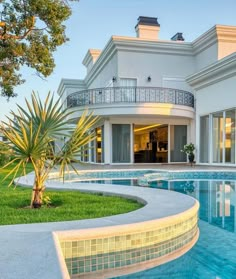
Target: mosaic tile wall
column 92, row 255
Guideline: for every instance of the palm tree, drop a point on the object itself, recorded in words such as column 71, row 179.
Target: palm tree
column 31, row 134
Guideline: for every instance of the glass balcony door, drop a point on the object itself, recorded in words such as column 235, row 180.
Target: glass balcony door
column 128, row 95
column 128, row 82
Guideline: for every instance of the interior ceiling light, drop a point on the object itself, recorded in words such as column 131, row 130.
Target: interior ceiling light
column 146, row 127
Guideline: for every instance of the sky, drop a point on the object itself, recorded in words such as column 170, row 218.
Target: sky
column 93, row 22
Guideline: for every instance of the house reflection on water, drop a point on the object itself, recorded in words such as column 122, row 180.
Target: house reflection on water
column 217, row 199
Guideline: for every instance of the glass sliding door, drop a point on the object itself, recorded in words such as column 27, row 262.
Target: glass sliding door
column 204, row 139
column 230, row 136
column 120, row 143
column 223, row 137
column 151, row 143
column 217, row 137
column 178, row 138
column 162, row 144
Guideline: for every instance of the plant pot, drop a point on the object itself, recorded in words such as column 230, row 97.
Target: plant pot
column 191, row 158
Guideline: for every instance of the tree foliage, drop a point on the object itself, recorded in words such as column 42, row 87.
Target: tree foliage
column 30, row 31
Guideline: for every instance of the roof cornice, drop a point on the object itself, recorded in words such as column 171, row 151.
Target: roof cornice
column 226, row 33
column 136, row 45
column 218, row 33
column 154, row 46
column 220, row 70
column 72, row 83
column 206, row 40
column 121, row 43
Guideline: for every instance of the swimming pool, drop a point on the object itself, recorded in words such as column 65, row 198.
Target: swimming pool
column 214, row 255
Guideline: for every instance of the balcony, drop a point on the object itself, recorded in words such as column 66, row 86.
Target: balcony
column 114, row 95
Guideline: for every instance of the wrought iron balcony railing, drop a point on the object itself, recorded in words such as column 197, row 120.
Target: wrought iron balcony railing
column 112, row 95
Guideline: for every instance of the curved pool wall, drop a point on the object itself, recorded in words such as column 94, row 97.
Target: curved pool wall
column 164, row 229
column 104, row 174
column 118, row 250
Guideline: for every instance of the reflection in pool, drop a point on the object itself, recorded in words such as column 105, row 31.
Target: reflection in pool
column 217, row 199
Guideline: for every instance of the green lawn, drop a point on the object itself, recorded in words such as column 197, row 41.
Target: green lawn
column 67, row 205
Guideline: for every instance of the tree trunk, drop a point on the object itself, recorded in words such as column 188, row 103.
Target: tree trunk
column 37, row 197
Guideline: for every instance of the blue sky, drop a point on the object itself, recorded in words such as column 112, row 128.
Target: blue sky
column 94, row 21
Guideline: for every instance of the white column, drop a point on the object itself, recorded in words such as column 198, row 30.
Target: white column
column 191, row 137
column 89, row 152
column 169, row 144
column 131, row 143
column 197, row 138
column 192, row 131
column 210, row 147
column 223, row 153
column 107, row 142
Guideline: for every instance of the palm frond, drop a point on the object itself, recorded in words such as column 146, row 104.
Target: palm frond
column 33, row 130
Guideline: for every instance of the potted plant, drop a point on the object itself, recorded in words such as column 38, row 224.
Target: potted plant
column 189, row 151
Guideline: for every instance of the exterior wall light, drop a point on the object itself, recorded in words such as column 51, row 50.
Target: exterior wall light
column 114, row 79
column 149, row 78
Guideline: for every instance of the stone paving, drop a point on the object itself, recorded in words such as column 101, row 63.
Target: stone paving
column 28, row 251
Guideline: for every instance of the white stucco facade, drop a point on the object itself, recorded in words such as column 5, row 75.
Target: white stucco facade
column 215, row 89
column 143, row 85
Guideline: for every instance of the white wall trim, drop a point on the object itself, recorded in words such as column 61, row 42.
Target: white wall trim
column 220, row 70
column 66, row 83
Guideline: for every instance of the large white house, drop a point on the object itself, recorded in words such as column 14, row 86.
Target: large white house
column 153, row 96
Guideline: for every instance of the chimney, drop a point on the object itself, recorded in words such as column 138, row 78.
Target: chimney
column 147, row 28
column 177, row 37
column 90, row 58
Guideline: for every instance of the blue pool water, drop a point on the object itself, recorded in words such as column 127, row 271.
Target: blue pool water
column 214, row 255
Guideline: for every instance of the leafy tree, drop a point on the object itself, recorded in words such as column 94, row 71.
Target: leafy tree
column 30, row 31
column 31, row 135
